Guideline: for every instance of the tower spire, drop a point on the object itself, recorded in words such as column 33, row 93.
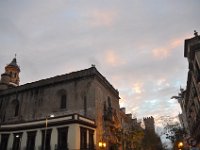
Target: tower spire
column 13, row 70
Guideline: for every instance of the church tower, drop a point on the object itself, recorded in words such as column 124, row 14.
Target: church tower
column 13, row 70
column 10, row 78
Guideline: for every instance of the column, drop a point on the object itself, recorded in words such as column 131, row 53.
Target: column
column 87, row 137
column 38, row 140
column 10, row 141
column 74, row 136
column 94, row 136
column 23, row 140
column 54, row 138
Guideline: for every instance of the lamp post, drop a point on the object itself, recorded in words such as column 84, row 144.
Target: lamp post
column 45, row 132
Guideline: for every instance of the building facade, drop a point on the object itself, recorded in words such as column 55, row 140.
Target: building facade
column 71, row 111
column 189, row 98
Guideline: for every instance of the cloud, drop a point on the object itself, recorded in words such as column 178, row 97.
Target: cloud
column 166, row 50
column 138, row 46
column 99, row 18
column 112, row 58
column 138, row 87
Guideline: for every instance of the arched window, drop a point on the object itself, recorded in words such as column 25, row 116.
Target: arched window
column 13, row 110
column 109, row 102
column 63, row 101
column 16, row 108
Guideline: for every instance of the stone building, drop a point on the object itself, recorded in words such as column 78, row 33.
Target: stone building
column 71, row 111
column 191, row 101
column 149, row 123
column 151, row 140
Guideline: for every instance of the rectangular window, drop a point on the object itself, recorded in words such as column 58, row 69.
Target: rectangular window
column 4, row 141
column 91, row 139
column 30, row 145
column 46, row 139
column 83, row 139
column 62, row 138
column 63, row 104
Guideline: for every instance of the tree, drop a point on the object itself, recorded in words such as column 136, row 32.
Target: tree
column 151, row 141
column 174, row 133
column 130, row 138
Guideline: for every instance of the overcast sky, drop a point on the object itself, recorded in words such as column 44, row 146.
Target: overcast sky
column 137, row 45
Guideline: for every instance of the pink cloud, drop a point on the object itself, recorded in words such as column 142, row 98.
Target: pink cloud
column 138, row 87
column 102, row 18
column 164, row 52
column 112, row 58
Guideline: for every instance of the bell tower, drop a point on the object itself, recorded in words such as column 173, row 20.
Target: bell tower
column 13, row 71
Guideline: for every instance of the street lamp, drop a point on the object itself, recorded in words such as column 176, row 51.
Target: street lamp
column 180, row 145
column 102, row 144
column 46, row 125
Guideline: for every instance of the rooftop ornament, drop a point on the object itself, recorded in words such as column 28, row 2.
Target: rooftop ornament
column 196, row 33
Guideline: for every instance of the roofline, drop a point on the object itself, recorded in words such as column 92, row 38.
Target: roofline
column 90, row 72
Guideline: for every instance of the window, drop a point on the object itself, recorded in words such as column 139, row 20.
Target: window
column 105, row 106
column 85, row 105
column 62, row 138
column 4, row 141
column 13, row 109
column 16, row 108
column 109, row 102
column 30, row 145
column 62, row 99
column 46, row 139
column 83, row 138
column 63, row 103
column 91, row 139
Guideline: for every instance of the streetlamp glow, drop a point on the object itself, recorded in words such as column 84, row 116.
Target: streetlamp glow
column 51, row 116
column 180, row 145
column 102, row 144
column 17, row 136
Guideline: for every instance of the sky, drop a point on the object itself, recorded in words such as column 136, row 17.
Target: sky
column 138, row 45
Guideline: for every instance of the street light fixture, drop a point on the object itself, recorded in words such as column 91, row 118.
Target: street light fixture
column 46, row 125
column 180, row 145
column 102, row 144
